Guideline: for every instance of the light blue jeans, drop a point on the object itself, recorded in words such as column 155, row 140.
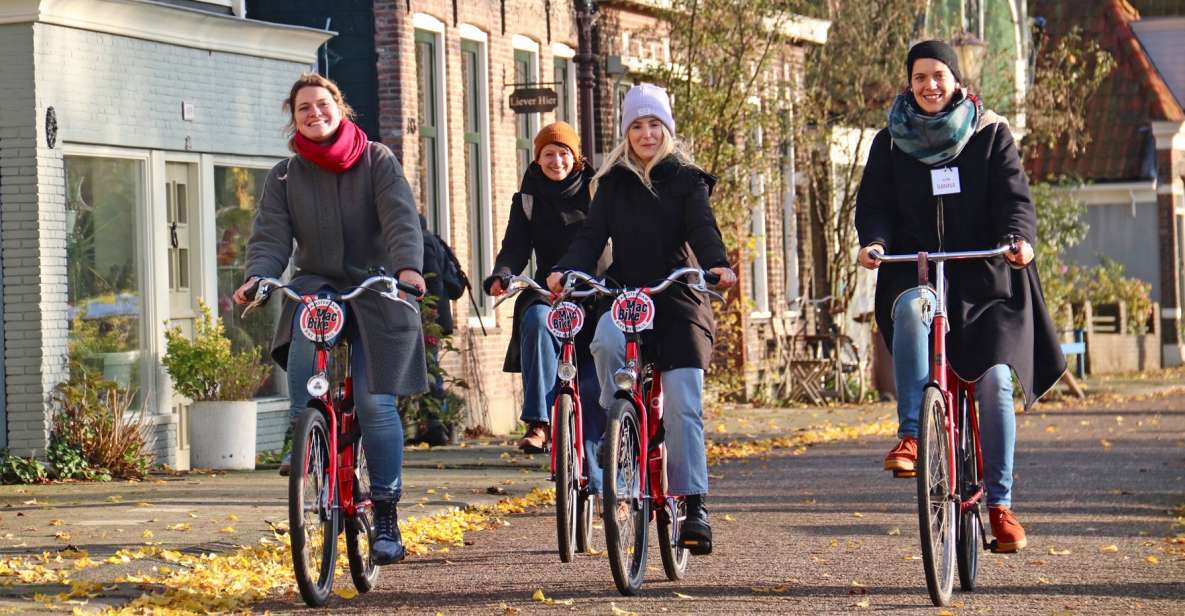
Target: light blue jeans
column 382, row 430
column 682, row 404
column 539, row 353
column 912, row 314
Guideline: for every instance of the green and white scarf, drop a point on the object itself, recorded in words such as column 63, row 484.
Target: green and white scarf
column 933, row 139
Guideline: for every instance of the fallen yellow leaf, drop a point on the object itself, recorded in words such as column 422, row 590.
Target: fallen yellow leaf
column 538, row 596
column 180, row 526
column 1057, row 552
column 56, row 522
column 227, row 529
column 1109, row 548
column 346, row 592
column 683, row 596
column 147, row 534
column 894, row 532
column 862, row 603
column 728, row 518
column 232, row 518
column 115, row 498
column 1152, row 560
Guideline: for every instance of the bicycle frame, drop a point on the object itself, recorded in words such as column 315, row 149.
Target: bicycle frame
column 341, row 465
column 648, row 402
column 572, row 388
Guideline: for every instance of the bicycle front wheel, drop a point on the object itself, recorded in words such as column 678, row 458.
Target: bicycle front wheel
column 567, row 477
column 937, row 511
column 312, row 516
column 970, row 531
column 360, row 528
column 626, row 511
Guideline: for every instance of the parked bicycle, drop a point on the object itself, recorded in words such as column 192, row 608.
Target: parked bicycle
column 573, row 498
column 634, row 457
column 825, row 366
column 329, row 486
column 950, row 458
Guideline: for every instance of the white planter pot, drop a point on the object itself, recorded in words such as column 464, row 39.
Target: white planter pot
column 222, row 435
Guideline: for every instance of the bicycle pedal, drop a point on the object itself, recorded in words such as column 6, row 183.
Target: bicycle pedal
column 905, row 474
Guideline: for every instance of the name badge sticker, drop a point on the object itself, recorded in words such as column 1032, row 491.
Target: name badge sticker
column 945, row 181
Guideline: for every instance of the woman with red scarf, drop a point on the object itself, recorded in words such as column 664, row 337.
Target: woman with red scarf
column 345, row 202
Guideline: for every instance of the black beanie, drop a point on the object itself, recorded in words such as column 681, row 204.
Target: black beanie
column 937, row 50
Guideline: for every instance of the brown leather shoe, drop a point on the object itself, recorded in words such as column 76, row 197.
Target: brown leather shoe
column 1009, row 534
column 535, row 440
column 903, row 457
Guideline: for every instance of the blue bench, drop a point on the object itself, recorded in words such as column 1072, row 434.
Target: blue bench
column 1078, row 347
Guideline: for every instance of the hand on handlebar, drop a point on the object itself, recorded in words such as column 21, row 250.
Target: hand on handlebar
column 413, row 278
column 555, row 282
column 1021, row 255
column 866, row 257
column 245, row 293
column 727, row 277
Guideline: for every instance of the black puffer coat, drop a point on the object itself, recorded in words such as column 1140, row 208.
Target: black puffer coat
column 652, row 236
column 997, row 314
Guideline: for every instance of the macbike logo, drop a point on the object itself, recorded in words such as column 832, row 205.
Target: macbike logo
column 565, row 320
column 322, row 319
column 633, row 311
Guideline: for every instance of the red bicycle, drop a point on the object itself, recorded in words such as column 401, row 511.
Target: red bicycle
column 634, row 456
column 950, row 459
column 329, row 480
column 573, row 502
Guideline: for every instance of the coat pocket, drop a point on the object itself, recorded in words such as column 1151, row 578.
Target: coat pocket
column 986, row 280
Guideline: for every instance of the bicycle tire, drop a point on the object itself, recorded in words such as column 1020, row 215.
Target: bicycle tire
column 849, row 371
column 360, row 528
column 584, row 522
column 936, row 511
column 625, row 538
column 567, row 478
column 969, row 539
column 314, row 538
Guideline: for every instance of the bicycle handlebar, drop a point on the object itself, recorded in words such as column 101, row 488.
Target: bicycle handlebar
column 517, row 284
column 944, row 256
column 265, row 286
column 701, row 284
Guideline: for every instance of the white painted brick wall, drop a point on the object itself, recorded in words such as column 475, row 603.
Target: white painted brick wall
column 112, row 91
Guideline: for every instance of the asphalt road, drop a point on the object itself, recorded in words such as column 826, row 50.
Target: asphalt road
column 829, row 532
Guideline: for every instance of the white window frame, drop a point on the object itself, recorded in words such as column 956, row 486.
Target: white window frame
column 566, row 53
column 760, row 284
column 530, row 45
column 428, row 23
column 154, row 286
column 474, row 34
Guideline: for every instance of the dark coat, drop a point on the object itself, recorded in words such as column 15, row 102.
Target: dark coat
column 556, row 216
column 435, row 263
column 652, row 236
column 997, row 313
column 343, row 225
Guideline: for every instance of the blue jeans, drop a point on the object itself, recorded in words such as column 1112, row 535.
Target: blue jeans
column 382, row 430
column 682, row 404
column 912, row 314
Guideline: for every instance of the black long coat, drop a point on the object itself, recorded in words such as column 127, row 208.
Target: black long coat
column 370, row 204
column 997, row 314
column 652, row 236
column 556, row 216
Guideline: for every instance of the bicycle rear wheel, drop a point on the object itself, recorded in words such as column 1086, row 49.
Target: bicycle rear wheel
column 670, row 520
column 312, row 516
column 849, row 373
column 360, row 528
column 567, row 477
column 937, row 512
column 626, row 511
column 584, row 521
column 970, row 531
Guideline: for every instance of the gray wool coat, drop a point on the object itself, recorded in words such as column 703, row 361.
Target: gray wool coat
column 343, row 225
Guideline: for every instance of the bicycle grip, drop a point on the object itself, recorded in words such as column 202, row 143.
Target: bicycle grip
column 407, row 288
column 711, row 278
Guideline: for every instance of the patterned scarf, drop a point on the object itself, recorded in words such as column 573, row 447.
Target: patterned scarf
column 933, row 139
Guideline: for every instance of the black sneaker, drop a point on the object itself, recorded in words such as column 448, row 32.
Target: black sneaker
column 387, row 546
column 696, row 533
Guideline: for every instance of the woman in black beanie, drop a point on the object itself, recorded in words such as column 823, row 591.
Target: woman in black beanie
column 997, row 315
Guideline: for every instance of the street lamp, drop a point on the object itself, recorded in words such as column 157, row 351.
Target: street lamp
column 585, row 12
column 971, row 52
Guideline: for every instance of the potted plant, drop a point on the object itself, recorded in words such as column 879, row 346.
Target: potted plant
column 221, row 383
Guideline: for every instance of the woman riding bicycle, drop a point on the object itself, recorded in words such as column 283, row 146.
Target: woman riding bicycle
column 345, row 202
column 945, row 175
column 652, row 201
column 545, row 215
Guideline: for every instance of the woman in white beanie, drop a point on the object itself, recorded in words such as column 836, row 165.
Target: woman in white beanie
column 652, row 201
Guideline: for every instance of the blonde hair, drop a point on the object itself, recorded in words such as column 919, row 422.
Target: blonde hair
column 623, row 155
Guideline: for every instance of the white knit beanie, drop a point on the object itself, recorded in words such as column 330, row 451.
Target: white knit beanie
column 646, row 99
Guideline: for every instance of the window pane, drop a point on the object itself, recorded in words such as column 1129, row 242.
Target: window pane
column 103, row 200
column 561, row 86
column 237, row 191
column 426, row 75
column 469, row 78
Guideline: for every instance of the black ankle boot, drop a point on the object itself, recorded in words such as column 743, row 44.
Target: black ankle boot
column 696, row 533
column 387, row 545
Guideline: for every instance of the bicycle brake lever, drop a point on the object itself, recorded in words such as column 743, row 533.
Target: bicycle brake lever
column 715, row 295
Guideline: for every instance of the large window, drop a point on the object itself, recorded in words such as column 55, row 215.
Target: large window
column 525, row 124
column 428, row 123
column 474, row 116
column 237, row 191
column 104, row 198
column 565, row 110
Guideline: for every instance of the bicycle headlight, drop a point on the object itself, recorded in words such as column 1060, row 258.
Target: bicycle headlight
column 566, row 371
column 318, row 385
column 625, row 378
